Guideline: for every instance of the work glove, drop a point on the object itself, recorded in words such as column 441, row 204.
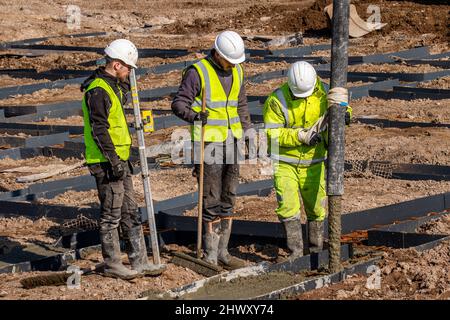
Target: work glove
column 118, row 170
column 202, row 116
column 347, row 118
column 309, row 137
column 312, row 135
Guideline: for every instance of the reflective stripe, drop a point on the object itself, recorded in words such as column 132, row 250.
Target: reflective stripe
column 215, row 104
column 215, row 122
column 284, row 107
column 273, row 125
column 239, row 70
column 209, row 103
column 296, row 161
column 207, row 83
column 234, row 120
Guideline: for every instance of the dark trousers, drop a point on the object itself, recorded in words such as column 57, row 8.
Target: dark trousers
column 118, row 205
column 220, row 183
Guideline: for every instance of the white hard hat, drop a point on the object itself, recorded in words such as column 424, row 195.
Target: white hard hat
column 230, row 46
column 123, row 50
column 302, row 79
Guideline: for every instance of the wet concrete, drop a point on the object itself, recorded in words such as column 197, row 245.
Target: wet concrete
column 245, row 287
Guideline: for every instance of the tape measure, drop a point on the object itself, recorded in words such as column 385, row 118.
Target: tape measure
column 147, row 120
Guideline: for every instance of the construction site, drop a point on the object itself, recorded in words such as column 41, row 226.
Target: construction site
column 395, row 236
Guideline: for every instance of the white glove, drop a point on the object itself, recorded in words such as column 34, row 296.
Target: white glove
column 312, row 135
column 309, row 137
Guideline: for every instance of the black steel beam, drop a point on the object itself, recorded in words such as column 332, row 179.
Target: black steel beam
column 421, row 90
column 86, row 182
column 39, row 128
column 8, row 92
column 390, row 57
column 32, row 142
column 386, row 123
column 401, row 240
column 407, row 95
column 363, row 90
column 7, row 45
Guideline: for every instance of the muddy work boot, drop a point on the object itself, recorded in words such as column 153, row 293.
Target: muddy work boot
column 211, row 241
column 224, row 257
column 294, row 238
column 111, row 255
column 137, row 253
column 315, row 236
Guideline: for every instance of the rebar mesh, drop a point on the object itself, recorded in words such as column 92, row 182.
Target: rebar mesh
column 382, row 169
column 80, row 223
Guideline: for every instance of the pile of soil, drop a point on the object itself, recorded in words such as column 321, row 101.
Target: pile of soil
column 405, row 274
column 441, row 83
column 438, row 226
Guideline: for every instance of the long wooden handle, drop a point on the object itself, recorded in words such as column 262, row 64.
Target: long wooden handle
column 200, row 185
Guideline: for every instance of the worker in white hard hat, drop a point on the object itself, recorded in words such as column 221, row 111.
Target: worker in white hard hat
column 225, row 120
column 108, row 143
column 296, row 125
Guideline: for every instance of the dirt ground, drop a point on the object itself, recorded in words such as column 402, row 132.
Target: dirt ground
column 31, row 166
column 192, row 25
column 405, row 274
column 95, row 286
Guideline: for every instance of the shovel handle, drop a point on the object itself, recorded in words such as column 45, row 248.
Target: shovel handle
column 200, row 185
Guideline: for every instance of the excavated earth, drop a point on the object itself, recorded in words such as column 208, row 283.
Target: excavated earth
column 192, row 25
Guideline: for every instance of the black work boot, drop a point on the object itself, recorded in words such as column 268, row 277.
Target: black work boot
column 315, row 236
column 293, row 228
column 111, row 255
column 137, row 253
column 211, row 241
column 224, row 257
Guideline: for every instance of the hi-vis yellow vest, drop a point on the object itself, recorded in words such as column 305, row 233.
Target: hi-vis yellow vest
column 284, row 114
column 118, row 128
column 222, row 109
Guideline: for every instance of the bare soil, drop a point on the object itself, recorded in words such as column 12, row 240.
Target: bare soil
column 410, row 145
column 405, row 274
column 420, row 110
column 438, row 226
column 8, row 179
column 95, row 286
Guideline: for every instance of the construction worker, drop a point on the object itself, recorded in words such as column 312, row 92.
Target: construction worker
column 108, row 143
column 221, row 77
column 295, row 122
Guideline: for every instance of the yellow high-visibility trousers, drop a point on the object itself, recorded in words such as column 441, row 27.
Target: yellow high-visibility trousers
column 292, row 181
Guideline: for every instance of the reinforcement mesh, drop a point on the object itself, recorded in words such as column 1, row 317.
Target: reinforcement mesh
column 80, row 223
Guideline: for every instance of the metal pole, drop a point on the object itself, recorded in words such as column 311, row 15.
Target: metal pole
column 335, row 187
column 139, row 126
column 200, row 183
